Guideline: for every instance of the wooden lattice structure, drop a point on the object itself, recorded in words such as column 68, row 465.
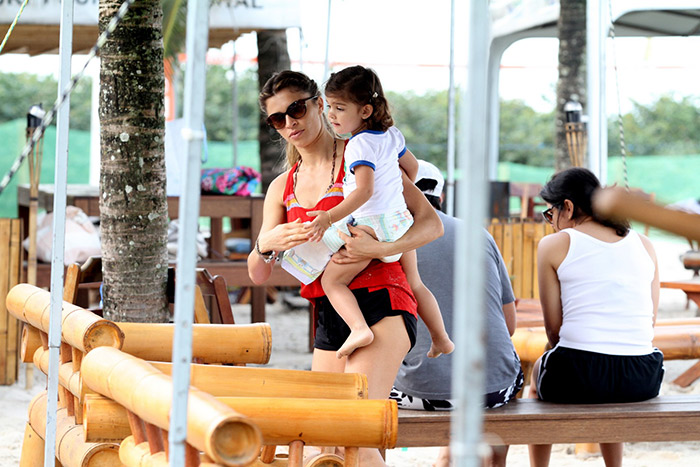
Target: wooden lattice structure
column 517, row 240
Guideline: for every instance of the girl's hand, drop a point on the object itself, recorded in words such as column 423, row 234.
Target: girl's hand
column 321, row 223
column 285, row 236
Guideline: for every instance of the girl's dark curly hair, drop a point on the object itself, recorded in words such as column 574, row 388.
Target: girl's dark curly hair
column 362, row 86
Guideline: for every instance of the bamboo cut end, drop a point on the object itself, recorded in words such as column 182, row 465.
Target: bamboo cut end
column 235, row 442
column 103, row 333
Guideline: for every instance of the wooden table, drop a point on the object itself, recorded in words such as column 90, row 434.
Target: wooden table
column 215, row 207
column 691, row 289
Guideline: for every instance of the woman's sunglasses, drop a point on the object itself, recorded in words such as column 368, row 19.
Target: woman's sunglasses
column 548, row 215
column 296, row 109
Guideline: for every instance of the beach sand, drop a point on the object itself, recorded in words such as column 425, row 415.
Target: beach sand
column 290, row 350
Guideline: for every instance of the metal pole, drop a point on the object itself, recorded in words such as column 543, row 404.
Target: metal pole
column 326, row 62
column 234, row 103
column 195, row 76
column 451, row 118
column 467, row 369
column 595, row 65
column 59, row 230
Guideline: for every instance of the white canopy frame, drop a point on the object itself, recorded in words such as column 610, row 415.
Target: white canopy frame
column 631, row 18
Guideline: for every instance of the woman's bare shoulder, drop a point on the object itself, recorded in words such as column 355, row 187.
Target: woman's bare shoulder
column 554, row 245
column 276, row 187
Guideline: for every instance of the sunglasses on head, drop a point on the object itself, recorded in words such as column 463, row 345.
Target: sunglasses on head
column 296, row 109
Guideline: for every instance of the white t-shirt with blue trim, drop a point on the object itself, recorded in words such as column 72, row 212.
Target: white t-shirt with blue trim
column 381, row 152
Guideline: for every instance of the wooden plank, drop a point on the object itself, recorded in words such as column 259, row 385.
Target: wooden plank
column 13, row 333
column 517, row 275
column 497, row 235
column 529, row 421
column 5, row 316
column 529, row 271
column 507, row 251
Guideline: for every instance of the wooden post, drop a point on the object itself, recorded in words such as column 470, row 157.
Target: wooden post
column 11, row 253
column 296, row 453
column 268, row 454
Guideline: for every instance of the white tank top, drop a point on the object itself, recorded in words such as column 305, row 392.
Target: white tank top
column 606, row 295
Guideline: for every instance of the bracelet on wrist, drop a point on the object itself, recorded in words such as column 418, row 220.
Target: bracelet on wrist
column 267, row 256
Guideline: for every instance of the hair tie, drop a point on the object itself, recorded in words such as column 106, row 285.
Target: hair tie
column 374, row 96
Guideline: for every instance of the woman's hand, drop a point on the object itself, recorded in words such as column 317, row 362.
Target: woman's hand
column 358, row 247
column 284, row 236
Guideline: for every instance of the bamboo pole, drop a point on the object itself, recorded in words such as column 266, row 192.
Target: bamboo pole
column 680, row 342
column 31, row 340
column 67, row 377
column 316, row 422
column 270, row 382
column 223, row 434
column 71, row 448
column 81, row 329
column 32, row 448
column 616, row 202
column 211, row 343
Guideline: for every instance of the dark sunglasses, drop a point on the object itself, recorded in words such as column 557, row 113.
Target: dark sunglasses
column 296, row 109
column 548, row 215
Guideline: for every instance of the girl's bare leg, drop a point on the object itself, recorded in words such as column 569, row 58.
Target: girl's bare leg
column 428, row 308
column 335, row 282
column 539, row 453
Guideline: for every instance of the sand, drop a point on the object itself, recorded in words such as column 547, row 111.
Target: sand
column 290, row 350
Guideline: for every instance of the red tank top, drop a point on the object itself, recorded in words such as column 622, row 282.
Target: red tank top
column 377, row 275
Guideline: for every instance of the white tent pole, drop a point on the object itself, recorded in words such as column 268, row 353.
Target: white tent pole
column 193, row 134
column 326, row 62
column 95, row 124
column 59, row 229
column 595, row 68
column 467, row 369
column 451, row 118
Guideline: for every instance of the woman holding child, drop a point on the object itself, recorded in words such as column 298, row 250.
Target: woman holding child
column 314, row 183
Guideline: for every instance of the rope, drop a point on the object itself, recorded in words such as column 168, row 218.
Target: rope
column 621, row 127
column 12, row 26
column 48, row 118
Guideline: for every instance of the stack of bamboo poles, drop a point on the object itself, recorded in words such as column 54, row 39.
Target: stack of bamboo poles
column 517, row 241
column 115, row 405
column 10, row 271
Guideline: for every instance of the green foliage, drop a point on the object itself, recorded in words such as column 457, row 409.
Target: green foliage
column 422, row 118
column 218, row 110
column 526, row 136
column 19, row 91
column 667, row 126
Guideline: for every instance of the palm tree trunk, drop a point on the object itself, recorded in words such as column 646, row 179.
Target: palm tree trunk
column 133, row 203
column 272, row 56
column 571, row 85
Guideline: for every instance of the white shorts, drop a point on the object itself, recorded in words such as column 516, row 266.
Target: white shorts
column 387, row 227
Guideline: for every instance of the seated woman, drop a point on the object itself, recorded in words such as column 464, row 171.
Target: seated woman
column 599, row 289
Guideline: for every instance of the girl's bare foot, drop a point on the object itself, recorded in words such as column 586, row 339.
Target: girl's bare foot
column 357, row 338
column 441, row 345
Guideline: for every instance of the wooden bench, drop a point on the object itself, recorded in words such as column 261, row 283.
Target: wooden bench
column 530, row 421
column 691, row 289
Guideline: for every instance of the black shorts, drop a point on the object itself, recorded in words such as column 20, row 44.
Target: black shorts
column 581, row 377
column 331, row 331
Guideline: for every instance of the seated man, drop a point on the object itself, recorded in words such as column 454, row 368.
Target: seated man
column 425, row 383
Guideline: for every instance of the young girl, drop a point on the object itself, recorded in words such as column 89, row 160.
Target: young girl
column 374, row 196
